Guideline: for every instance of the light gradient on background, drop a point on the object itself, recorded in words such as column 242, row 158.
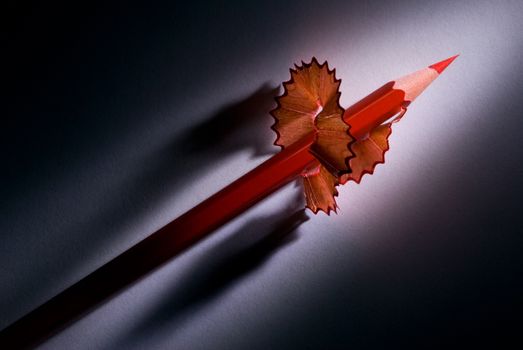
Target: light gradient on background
column 426, row 244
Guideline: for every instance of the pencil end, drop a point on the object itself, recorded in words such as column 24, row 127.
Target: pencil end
column 440, row 66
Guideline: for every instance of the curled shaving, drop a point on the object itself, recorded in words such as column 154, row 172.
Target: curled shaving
column 310, row 103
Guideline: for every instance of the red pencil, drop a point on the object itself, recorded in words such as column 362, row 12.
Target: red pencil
column 290, row 163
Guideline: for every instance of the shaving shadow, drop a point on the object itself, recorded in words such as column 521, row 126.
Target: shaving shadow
column 219, row 269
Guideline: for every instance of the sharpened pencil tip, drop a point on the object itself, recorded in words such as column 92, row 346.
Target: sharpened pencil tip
column 440, row 66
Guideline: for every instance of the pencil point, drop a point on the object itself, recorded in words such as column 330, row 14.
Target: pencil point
column 440, row 66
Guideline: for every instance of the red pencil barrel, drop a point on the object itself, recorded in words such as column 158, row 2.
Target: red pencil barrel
column 198, row 222
column 374, row 110
column 159, row 247
column 242, row 193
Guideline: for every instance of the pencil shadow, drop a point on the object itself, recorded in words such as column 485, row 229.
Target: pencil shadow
column 163, row 173
column 172, row 167
column 240, row 125
column 219, row 269
column 235, row 126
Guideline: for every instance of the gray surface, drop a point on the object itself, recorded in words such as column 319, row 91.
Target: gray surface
column 103, row 147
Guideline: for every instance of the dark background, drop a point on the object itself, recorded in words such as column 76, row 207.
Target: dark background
column 118, row 118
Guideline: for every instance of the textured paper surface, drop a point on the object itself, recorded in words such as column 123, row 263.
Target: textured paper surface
column 423, row 250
